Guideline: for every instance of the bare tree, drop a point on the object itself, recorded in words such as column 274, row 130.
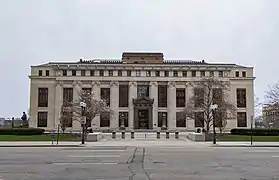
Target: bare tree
column 66, row 115
column 209, row 91
column 94, row 107
column 272, row 95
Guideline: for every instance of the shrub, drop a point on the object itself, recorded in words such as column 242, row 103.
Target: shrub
column 256, row 132
column 21, row 131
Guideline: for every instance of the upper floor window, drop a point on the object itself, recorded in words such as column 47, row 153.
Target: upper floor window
column 105, row 95
column 42, row 119
column 40, row 72
column 110, row 72
column 137, row 73
column 129, row 73
column 157, row 73
column 193, row 73
column 202, row 73
column 123, row 95
column 166, row 73
column 237, row 74
column 74, row 72
column 68, row 95
column 64, row 72
column 92, row 73
column 180, row 97
column 243, row 74
column 47, row 72
column 162, row 95
column 241, row 97
column 82, row 72
column 221, row 73
column 217, row 95
column 199, row 97
column 184, row 73
column 119, row 73
column 43, row 97
column 101, row 72
column 143, row 90
column 175, row 73
column 148, row 73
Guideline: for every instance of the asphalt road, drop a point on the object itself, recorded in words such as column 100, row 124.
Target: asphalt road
column 139, row 163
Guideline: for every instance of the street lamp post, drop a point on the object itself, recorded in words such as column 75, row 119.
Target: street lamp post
column 83, row 122
column 213, row 108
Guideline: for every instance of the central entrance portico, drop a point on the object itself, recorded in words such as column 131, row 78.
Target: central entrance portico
column 143, row 113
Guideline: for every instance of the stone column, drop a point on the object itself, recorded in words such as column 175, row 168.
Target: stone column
column 154, row 95
column 132, row 95
column 58, row 103
column 76, row 98
column 96, row 95
column 190, row 123
column 114, row 101
column 171, row 105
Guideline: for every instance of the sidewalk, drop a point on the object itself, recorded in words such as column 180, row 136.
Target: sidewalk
column 39, row 144
column 245, row 144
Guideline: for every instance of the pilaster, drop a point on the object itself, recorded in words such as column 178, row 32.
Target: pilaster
column 114, row 99
column 154, row 95
column 76, row 98
column 96, row 95
column 171, row 105
column 58, row 103
column 132, row 95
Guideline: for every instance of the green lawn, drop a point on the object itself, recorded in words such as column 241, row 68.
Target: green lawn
column 44, row 137
column 248, row 138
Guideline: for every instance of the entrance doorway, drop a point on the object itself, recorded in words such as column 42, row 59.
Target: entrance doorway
column 143, row 119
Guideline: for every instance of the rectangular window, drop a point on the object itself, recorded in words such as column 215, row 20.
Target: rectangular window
column 180, row 97
column 243, row 74
column 40, row 73
column 43, row 97
column 143, row 90
column 202, row 73
column 236, row 74
column 82, row 72
column 47, row 72
column 157, row 73
column 119, row 72
column 129, row 73
column 175, row 73
column 123, row 95
column 137, row 73
column 68, row 95
column 217, row 95
column 162, row 95
column 64, row 72
column 199, row 119
column 148, row 73
column 241, row 97
column 42, row 119
column 199, row 97
column 166, row 73
column 105, row 119
column 221, row 73
column 92, row 73
column 87, row 90
column 211, row 73
column 110, row 72
column 105, row 95
column 123, row 116
column 74, row 72
column 241, row 119
column 180, row 119
column 162, row 116
column 101, row 72
column 184, row 73
column 193, row 73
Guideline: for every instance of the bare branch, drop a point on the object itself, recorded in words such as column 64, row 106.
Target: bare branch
column 272, row 95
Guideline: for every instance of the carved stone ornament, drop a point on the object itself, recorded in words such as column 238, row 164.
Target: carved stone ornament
column 114, row 83
column 171, row 84
column 79, row 83
column 96, row 83
column 132, row 83
column 59, row 83
column 153, row 83
column 74, row 83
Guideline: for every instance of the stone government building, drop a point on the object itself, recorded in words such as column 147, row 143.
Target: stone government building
column 143, row 89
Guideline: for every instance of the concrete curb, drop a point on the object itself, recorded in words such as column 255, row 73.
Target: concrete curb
column 244, row 145
column 42, row 145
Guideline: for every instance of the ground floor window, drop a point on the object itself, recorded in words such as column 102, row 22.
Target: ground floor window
column 241, row 119
column 105, row 119
column 180, row 119
column 124, row 116
column 42, row 119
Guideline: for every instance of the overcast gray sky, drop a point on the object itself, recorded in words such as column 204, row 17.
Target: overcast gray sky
column 37, row 31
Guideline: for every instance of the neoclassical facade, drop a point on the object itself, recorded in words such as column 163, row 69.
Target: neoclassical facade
column 144, row 91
